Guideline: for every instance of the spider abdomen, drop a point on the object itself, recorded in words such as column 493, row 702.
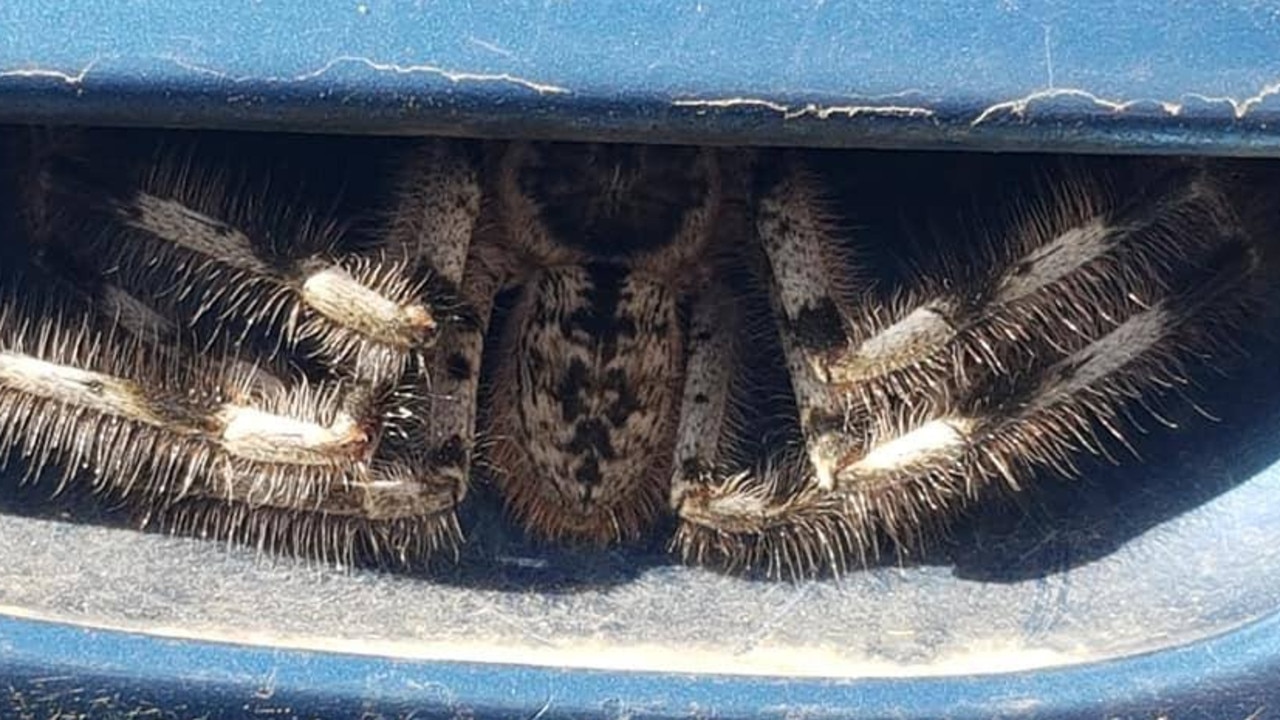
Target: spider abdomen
column 584, row 417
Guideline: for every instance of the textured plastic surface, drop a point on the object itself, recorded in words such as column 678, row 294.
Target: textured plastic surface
column 1158, row 603
column 1151, row 557
column 1179, row 618
column 1114, row 75
column 75, row 670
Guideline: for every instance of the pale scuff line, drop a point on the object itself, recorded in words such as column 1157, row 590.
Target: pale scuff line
column 1048, row 53
column 1239, row 107
column 732, row 102
column 67, row 78
column 450, row 75
column 1020, row 106
column 822, row 112
column 491, row 47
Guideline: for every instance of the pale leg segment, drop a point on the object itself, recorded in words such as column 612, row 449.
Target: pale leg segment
column 704, row 436
column 1172, row 278
column 316, row 470
column 811, row 282
column 187, row 243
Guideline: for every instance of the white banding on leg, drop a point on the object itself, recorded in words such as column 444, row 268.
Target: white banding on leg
column 334, row 293
column 252, row 434
column 245, row 433
column 899, row 345
column 71, row 386
column 1130, row 340
column 1047, row 264
column 928, row 443
column 363, row 311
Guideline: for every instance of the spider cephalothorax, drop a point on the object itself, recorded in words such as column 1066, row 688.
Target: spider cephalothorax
column 238, row 368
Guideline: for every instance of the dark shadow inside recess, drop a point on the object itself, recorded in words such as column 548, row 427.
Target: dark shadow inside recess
column 1066, row 523
column 1224, row 432
column 1058, row 525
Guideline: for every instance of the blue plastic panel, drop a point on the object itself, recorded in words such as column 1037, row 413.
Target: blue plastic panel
column 1124, row 76
column 1033, row 74
column 1129, row 569
column 61, row 671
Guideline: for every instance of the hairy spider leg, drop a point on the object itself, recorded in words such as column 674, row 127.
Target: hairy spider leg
column 393, row 504
column 723, row 328
column 1180, row 273
column 423, row 469
column 176, row 237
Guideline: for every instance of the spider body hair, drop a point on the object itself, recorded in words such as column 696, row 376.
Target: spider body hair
column 979, row 404
column 585, row 407
column 174, row 234
column 336, row 392
column 166, row 431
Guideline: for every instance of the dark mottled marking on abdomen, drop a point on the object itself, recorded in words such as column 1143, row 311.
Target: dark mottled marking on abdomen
column 590, row 436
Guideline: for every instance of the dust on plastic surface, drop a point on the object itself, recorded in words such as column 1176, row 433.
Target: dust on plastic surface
column 1151, row 554
column 1104, row 566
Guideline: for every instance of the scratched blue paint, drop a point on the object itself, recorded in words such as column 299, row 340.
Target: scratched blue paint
column 1125, row 75
column 50, row 667
column 1015, row 74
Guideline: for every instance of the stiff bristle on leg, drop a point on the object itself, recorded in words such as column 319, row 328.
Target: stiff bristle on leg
column 327, row 425
column 238, row 266
column 392, row 518
column 1090, row 313
column 162, row 430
